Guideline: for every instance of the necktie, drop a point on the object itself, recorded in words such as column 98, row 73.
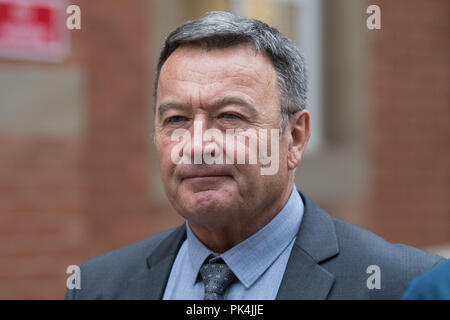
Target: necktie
column 217, row 276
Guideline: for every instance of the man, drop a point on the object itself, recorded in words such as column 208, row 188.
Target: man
column 228, row 90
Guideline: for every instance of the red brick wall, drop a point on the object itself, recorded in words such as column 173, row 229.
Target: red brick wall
column 410, row 122
column 41, row 224
column 116, row 154
column 65, row 200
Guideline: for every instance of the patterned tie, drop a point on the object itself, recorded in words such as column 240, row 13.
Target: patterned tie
column 217, row 276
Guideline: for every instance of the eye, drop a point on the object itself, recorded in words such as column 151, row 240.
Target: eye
column 175, row 119
column 230, row 116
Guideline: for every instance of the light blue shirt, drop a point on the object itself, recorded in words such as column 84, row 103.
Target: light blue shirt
column 258, row 262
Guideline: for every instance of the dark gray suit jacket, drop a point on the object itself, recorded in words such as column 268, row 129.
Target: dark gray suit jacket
column 329, row 260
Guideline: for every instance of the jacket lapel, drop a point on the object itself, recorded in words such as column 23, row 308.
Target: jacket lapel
column 160, row 263
column 316, row 241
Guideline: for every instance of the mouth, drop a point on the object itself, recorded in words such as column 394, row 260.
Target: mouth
column 206, row 178
column 202, row 172
column 209, row 182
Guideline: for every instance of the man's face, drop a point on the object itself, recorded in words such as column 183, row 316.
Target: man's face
column 222, row 89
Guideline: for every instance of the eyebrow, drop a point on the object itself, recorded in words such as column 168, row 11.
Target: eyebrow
column 236, row 101
column 164, row 107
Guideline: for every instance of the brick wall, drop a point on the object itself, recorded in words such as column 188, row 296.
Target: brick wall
column 410, row 122
column 67, row 198
column 41, row 225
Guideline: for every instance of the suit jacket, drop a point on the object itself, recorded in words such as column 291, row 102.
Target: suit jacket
column 329, row 260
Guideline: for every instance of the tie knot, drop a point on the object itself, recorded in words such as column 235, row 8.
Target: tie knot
column 217, row 277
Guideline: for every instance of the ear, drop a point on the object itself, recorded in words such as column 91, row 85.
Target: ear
column 299, row 133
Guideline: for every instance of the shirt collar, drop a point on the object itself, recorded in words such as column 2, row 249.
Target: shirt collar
column 252, row 257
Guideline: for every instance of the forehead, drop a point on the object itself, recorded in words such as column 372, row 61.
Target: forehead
column 238, row 67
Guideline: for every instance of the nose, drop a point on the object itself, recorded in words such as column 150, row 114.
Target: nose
column 200, row 125
column 199, row 145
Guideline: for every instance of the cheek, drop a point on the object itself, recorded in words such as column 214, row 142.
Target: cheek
column 164, row 156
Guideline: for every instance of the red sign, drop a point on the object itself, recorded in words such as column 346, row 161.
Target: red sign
column 33, row 29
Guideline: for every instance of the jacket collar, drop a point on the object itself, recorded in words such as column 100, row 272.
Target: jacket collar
column 160, row 263
column 304, row 278
column 316, row 242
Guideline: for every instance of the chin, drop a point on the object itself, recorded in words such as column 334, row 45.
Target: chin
column 213, row 203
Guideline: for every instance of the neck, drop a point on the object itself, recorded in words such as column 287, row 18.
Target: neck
column 223, row 238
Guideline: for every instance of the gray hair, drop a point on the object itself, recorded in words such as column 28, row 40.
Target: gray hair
column 218, row 29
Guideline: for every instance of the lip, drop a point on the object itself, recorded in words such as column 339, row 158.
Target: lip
column 203, row 171
column 205, row 177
